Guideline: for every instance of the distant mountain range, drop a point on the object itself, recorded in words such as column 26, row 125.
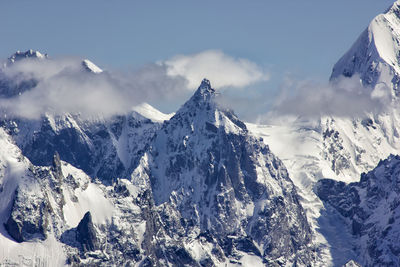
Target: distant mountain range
column 200, row 187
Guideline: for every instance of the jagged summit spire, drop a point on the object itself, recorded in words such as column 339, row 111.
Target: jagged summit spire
column 202, row 100
column 204, row 106
column 205, row 82
column 205, row 91
column 203, row 97
column 206, row 86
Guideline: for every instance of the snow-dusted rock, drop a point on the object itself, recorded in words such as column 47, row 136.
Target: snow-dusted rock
column 372, row 209
column 32, row 54
column 375, row 54
column 202, row 191
column 29, row 216
column 102, row 148
column 220, row 192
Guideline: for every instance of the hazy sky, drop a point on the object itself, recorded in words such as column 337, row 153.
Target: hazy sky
column 306, row 36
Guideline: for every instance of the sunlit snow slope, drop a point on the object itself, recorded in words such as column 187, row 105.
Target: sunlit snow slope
column 342, row 148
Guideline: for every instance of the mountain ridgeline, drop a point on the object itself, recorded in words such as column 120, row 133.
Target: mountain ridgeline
column 201, row 187
column 196, row 190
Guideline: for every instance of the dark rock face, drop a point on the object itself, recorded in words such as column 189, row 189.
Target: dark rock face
column 333, row 149
column 29, row 217
column 346, row 197
column 86, row 233
column 74, row 145
column 84, row 238
column 372, row 207
column 32, row 214
column 89, row 145
column 56, row 168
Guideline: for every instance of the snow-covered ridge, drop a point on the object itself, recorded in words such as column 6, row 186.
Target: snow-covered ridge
column 199, row 187
column 371, row 207
column 216, row 182
column 91, row 67
column 335, row 148
column 224, row 197
column 27, row 54
column 375, row 56
column 343, row 148
column 152, row 113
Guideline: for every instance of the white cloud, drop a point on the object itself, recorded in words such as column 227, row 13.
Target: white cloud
column 42, row 68
column 309, row 99
column 346, row 98
column 63, row 85
column 221, row 69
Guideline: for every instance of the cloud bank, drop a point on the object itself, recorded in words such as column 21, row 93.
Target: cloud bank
column 345, row 98
column 64, row 85
column 308, row 99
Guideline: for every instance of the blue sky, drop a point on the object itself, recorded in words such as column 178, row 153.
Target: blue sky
column 298, row 38
column 306, row 37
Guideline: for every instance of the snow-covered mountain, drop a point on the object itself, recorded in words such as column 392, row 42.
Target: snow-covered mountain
column 371, row 208
column 196, row 190
column 39, row 203
column 16, row 78
column 369, row 205
column 220, row 192
column 32, row 54
column 375, row 55
column 13, row 85
column 202, row 188
column 343, row 148
column 106, row 149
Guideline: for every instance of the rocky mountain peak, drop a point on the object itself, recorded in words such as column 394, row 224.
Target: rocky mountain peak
column 375, row 54
column 205, row 87
column 86, row 233
column 210, row 177
column 27, row 54
column 371, row 208
column 203, row 111
column 205, row 93
column 200, row 108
